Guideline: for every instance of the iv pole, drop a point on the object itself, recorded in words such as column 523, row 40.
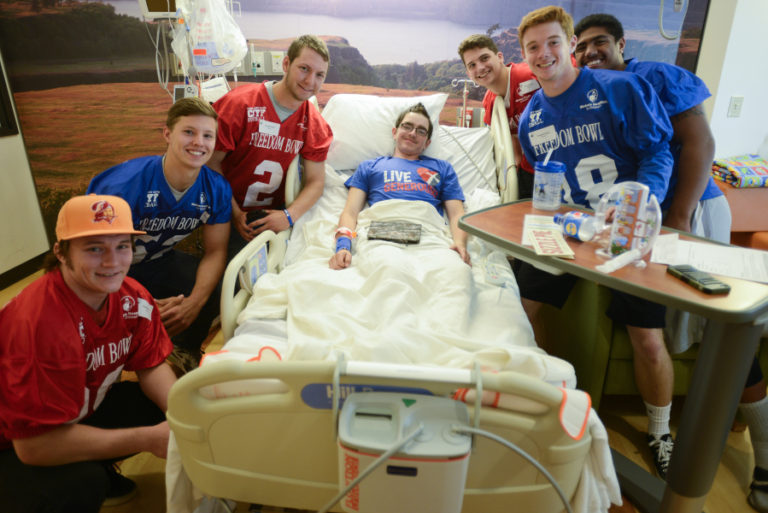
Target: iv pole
column 464, row 123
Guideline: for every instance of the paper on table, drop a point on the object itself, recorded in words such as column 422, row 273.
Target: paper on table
column 744, row 263
column 537, row 222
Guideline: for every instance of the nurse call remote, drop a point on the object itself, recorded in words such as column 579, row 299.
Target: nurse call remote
column 699, row 279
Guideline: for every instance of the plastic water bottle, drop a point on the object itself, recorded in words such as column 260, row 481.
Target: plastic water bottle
column 578, row 225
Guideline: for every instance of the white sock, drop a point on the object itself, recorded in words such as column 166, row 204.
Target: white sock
column 658, row 419
column 756, row 416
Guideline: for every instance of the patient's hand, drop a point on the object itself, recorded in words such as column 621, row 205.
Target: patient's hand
column 341, row 260
column 463, row 253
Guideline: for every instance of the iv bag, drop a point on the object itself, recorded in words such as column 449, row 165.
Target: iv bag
column 209, row 40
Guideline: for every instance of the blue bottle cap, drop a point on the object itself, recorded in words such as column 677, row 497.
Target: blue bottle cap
column 553, row 166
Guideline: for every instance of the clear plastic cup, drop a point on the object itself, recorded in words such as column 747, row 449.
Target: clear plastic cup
column 548, row 184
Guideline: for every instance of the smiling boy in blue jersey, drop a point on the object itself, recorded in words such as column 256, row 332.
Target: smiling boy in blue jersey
column 408, row 175
column 694, row 203
column 170, row 196
column 607, row 127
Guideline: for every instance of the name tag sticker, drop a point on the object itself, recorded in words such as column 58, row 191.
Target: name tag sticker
column 145, row 309
column 528, row 86
column 543, row 135
column 269, row 127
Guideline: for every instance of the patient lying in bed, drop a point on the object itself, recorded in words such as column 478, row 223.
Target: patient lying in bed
column 407, row 175
column 399, row 303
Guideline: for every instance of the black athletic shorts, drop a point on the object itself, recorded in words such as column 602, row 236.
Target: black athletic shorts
column 538, row 285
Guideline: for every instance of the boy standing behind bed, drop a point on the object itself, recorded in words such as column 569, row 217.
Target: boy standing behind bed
column 607, row 127
column 407, row 175
column 514, row 83
column 65, row 418
column 262, row 128
column 699, row 205
column 170, row 196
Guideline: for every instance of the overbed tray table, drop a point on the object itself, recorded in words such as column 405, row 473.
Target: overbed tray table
column 729, row 345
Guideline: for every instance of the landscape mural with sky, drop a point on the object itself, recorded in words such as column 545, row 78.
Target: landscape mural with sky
column 90, row 94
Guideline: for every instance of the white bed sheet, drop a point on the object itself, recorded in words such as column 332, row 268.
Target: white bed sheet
column 416, row 304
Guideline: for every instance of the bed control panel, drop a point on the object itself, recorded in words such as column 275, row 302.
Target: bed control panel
column 427, row 474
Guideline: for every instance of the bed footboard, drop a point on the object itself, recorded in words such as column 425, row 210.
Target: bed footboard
column 278, row 447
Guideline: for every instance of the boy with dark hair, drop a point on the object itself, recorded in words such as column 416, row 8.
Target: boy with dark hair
column 694, row 203
column 600, row 45
column 514, row 83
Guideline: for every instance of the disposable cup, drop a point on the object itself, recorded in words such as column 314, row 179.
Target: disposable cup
column 548, row 184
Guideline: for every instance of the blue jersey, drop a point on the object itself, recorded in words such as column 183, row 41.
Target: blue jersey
column 142, row 184
column 678, row 90
column 424, row 179
column 607, row 127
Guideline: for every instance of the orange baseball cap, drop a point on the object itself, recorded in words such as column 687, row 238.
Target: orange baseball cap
column 94, row 214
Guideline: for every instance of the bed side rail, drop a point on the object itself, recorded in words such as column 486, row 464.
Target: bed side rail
column 261, row 255
column 506, row 169
column 293, row 178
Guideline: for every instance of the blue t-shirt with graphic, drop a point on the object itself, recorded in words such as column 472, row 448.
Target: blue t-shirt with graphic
column 607, row 127
column 142, row 184
column 424, row 179
column 678, row 90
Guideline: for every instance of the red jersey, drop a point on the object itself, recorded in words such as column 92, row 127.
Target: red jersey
column 56, row 363
column 260, row 148
column 522, row 86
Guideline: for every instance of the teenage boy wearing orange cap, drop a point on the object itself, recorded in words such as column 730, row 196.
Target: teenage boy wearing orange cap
column 64, row 341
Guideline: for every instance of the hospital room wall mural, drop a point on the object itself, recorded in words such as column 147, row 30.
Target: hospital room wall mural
column 93, row 80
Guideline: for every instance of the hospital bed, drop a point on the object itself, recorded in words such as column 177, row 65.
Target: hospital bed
column 258, row 421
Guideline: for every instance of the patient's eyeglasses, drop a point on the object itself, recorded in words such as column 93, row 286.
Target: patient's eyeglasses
column 408, row 127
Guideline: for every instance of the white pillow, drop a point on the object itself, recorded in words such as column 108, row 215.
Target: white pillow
column 362, row 125
column 470, row 152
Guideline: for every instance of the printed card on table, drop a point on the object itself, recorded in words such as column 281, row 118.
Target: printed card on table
column 548, row 241
column 535, row 221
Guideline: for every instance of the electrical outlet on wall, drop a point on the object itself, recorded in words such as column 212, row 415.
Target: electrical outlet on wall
column 734, row 106
column 277, row 62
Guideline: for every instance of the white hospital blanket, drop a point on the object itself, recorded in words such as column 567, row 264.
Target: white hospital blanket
column 417, row 304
